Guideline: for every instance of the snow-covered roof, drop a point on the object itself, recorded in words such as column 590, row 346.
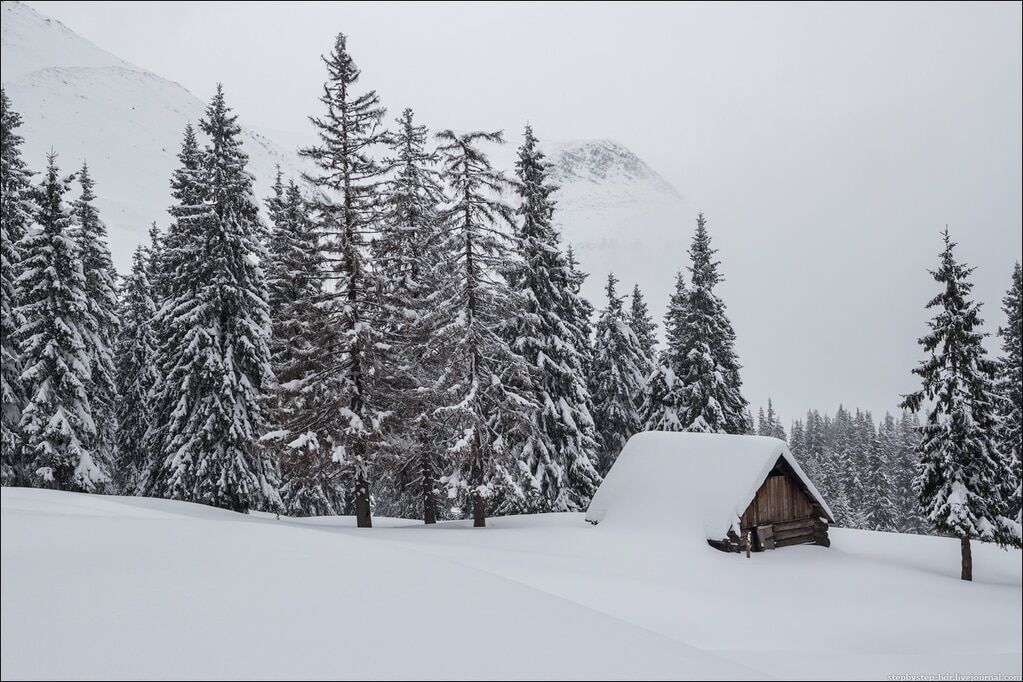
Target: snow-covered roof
column 691, row 483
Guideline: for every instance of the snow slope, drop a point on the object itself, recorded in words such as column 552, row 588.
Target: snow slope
column 120, row 587
column 87, row 104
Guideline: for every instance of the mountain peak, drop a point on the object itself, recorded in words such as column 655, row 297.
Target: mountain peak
column 603, row 161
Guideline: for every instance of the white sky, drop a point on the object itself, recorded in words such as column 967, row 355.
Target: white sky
column 828, row 144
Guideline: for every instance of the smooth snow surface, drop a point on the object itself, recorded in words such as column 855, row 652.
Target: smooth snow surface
column 692, row 486
column 114, row 587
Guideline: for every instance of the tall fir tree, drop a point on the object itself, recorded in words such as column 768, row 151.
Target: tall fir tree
column 213, row 356
column 796, row 437
column 135, row 372
column 405, row 255
column 301, row 346
column 103, row 320
column 881, row 509
column 347, row 210
column 484, row 391
column 1010, row 389
column 57, row 421
column 643, row 326
column 904, row 465
column 664, row 401
column 769, row 423
column 861, row 442
column 579, row 315
column 16, row 210
column 839, row 461
column 559, row 455
column 168, row 253
column 959, row 484
column 712, row 396
column 814, row 450
column 616, row 377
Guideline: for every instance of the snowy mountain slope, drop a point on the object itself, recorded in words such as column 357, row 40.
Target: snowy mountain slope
column 32, row 42
column 599, row 172
column 85, row 103
column 125, row 587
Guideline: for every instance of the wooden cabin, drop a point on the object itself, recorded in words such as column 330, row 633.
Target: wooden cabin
column 784, row 512
column 723, row 490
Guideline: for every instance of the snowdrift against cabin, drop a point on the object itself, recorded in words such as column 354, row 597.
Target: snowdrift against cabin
column 694, row 485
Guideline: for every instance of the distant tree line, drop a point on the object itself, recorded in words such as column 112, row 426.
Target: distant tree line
column 864, row 470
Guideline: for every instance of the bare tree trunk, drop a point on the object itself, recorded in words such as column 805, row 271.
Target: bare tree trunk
column 479, row 515
column 967, row 559
column 429, row 498
column 479, row 510
column 363, row 519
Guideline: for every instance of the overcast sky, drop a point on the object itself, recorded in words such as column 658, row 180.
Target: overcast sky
column 828, row 144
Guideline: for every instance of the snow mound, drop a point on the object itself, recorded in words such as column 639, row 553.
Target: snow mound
column 694, row 485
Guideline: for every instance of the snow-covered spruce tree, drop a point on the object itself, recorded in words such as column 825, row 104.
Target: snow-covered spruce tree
column 154, row 259
column 347, row 208
column 274, row 213
column 301, row 348
column 777, row 429
column 644, row 327
column 136, row 374
column 664, row 402
column 16, row 209
column 905, row 470
column 861, row 443
column 769, row 424
column 579, row 316
column 796, row 437
column 959, row 485
column 838, row 460
column 812, row 450
column 57, row 420
column 615, row 377
column 881, row 511
column 559, row 456
column 750, row 423
column 405, row 254
column 712, row 396
column 484, row 392
column 1010, row 389
column 103, row 321
column 168, row 253
column 214, row 324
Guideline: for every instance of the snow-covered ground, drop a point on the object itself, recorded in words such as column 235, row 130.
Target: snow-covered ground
column 114, row 587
